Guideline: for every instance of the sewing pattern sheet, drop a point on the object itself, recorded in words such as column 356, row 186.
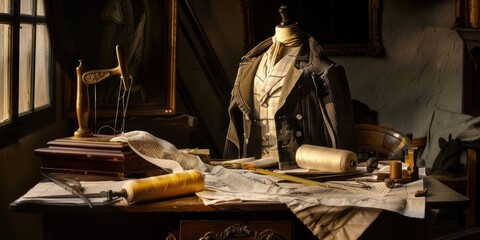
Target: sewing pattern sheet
column 226, row 185
column 52, row 194
column 160, row 152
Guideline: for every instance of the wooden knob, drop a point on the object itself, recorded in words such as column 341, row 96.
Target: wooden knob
column 389, row 183
column 286, row 15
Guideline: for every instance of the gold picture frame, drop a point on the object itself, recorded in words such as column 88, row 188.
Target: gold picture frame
column 341, row 27
column 153, row 92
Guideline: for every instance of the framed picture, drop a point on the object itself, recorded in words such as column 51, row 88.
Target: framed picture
column 341, row 27
column 146, row 33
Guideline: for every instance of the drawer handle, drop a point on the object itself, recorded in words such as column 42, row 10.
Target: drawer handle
column 241, row 231
column 171, row 236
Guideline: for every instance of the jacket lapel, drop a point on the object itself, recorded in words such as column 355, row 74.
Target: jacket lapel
column 244, row 89
column 290, row 80
column 302, row 60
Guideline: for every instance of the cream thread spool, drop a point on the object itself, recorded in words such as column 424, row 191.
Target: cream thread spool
column 395, row 170
column 326, row 159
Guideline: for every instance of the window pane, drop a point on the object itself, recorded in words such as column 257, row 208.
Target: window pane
column 4, row 73
column 25, row 67
column 4, row 6
column 40, row 8
column 42, row 67
column 26, row 7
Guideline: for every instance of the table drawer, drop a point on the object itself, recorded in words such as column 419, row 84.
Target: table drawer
column 235, row 229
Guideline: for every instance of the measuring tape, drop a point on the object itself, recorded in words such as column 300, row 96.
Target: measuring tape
column 304, row 181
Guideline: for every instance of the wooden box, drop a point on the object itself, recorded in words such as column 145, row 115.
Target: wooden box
column 95, row 155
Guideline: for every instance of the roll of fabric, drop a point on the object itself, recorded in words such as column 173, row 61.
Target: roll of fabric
column 326, row 159
column 164, row 186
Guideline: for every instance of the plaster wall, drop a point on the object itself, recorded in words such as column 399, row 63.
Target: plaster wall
column 421, row 69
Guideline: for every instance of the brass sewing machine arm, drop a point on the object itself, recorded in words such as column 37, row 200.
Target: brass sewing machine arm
column 86, row 78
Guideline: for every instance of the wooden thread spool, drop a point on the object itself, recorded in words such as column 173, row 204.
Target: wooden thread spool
column 396, row 170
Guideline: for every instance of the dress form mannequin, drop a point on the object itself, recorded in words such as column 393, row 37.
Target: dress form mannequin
column 277, row 106
column 283, row 33
column 287, row 33
column 287, row 27
column 274, row 69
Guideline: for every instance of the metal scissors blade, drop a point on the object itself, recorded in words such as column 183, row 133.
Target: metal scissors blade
column 69, row 188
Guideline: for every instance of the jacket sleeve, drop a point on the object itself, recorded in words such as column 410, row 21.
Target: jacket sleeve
column 339, row 107
column 232, row 150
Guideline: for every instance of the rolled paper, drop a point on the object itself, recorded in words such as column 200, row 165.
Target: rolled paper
column 326, row 159
column 395, row 170
column 164, row 186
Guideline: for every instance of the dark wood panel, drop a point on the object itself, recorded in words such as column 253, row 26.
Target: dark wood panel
column 471, row 74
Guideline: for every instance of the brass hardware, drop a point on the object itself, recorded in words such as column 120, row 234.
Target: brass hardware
column 171, row 236
column 86, row 78
column 241, row 231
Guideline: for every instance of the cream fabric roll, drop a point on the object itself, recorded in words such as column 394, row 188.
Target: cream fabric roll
column 164, row 186
column 326, row 159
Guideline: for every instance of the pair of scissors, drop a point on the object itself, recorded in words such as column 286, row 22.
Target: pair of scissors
column 76, row 189
column 72, row 186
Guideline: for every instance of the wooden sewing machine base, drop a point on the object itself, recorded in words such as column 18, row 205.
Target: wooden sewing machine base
column 93, row 156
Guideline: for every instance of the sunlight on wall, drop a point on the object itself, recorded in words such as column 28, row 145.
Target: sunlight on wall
column 421, row 69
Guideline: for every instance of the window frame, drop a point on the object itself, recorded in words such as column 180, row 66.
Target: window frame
column 20, row 125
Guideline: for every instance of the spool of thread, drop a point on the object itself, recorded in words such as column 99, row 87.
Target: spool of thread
column 326, row 159
column 164, row 186
column 475, row 13
column 395, row 170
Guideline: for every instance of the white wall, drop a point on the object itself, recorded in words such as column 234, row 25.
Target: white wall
column 421, row 70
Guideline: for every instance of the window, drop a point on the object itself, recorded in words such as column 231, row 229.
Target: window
column 25, row 69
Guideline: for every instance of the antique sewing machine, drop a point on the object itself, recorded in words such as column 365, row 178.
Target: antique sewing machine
column 86, row 78
column 86, row 152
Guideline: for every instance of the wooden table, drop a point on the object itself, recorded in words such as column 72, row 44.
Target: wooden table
column 188, row 218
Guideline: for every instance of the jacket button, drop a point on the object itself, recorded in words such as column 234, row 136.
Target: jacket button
column 298, row 134
column 299, row 116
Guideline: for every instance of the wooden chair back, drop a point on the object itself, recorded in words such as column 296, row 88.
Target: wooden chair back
column 380, row 141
